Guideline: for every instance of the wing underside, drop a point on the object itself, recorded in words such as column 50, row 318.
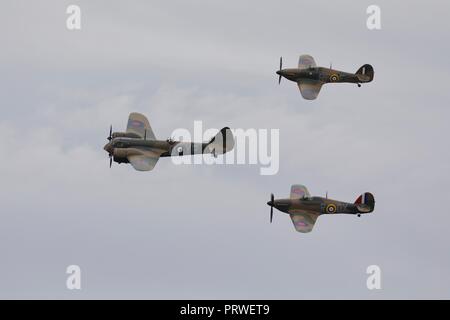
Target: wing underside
column 306, row 61
column 144, row 160
column 138, row 124
column 303, row 222
column 299, row 191
column 310, row 88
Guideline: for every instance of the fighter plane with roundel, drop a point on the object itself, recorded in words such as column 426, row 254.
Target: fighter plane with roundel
column 311, row 78
column 305, row 209
column 139, row 147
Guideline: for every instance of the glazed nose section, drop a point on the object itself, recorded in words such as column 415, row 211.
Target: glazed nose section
column 108, row 147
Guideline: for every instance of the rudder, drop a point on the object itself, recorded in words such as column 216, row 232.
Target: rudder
column 365, row 73
column 221, row 143
column 365, row 202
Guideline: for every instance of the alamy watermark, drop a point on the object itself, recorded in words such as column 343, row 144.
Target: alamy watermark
column 374, row 279
column 251, row 146
column 73, row 281
column 73, row 21
column 373, row 21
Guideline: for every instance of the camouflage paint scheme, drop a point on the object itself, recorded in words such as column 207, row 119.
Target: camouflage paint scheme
column 139, row 146
column 310, row 78
column 305, row 209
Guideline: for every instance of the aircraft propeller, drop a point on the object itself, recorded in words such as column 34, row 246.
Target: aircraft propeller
column 271, row 206
column 281, row 66
column 109, row 151
column 110, row 133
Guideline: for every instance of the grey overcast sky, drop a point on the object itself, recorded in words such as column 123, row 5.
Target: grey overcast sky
column 203, row 231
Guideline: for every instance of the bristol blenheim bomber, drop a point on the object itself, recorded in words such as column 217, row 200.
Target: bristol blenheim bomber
column 305, row 209
column 139, row 146
column 310, row 78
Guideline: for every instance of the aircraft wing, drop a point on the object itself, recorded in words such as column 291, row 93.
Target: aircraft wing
column 138, row 124
column 310, row 88
column 144, row 159
column 303, row 222
column 299, row 191
column 305, row 61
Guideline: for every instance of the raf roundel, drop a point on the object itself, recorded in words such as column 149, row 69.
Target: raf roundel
column 136, row 124
column 331, row 208
column 334, row 77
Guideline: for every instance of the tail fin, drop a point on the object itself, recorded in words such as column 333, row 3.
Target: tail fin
column 365, row 73
column 221, row 143
column 365, row 202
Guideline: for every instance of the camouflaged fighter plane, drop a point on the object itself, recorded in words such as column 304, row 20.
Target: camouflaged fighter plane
column 304, row 209
column 139, row 146
column 310, row 78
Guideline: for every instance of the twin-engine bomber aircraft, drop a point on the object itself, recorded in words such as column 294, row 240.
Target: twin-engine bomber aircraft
column 310, row 78
column 139, row 146
column 304, row 209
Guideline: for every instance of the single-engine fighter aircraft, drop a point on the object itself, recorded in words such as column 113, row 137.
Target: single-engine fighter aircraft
column 139, row 146
column 304, row 209
column 310, row 78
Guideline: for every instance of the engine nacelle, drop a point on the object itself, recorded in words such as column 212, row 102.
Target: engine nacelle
column 120, row 155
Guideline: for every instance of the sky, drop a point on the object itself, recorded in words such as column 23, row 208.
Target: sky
column 202, row 231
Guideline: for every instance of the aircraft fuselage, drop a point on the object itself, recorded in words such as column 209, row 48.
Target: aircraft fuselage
column 325, row 75
column 317, row 205
column 118, row 146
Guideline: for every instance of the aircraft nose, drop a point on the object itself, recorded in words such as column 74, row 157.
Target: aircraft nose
column 107, row 147
column 279, row 72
